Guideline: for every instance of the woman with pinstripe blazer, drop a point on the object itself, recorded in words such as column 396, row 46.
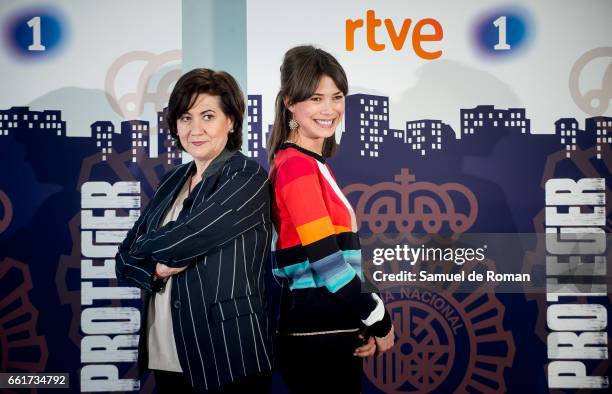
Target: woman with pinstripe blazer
column 199, row 250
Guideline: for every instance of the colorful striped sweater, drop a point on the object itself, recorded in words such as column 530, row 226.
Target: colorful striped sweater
column 318, row 255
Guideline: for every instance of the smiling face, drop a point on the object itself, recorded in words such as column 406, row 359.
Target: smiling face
column 318, row 116
column 203, row 130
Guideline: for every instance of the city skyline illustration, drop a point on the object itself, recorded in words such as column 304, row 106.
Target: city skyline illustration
column 367, row 130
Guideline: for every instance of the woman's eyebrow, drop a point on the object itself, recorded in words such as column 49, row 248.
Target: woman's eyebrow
column 321, row 94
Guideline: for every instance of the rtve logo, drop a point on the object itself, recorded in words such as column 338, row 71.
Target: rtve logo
column 397, row 38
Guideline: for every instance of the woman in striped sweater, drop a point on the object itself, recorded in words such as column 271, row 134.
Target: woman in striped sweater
column 327, row 324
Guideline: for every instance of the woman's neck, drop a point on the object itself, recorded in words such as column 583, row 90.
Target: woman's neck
column 313, row 145
column 200, row 167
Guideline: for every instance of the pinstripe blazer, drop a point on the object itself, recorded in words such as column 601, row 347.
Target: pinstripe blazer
column 223, row 235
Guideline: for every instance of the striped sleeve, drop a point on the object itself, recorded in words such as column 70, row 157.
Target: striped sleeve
column 298, row 186
column 138, row 270
column 233, row 208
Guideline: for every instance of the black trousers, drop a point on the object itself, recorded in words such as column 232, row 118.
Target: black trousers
column 321, row 363
column 175, row 382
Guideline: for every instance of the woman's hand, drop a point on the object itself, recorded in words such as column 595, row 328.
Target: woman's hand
column 367, row 349
column 385, row 343
column 162, row 271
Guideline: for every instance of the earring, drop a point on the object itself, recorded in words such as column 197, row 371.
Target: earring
column 231, row 131
column 293, row 124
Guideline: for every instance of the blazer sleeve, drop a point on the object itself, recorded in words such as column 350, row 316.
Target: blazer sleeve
column 297, row 184
column 237, row 205
column 139, row 271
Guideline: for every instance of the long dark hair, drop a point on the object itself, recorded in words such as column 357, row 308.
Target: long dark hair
column 214, row 83
column 302, row 69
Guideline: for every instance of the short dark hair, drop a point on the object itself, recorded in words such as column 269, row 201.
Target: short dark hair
column 214, row 83
column 302, row 69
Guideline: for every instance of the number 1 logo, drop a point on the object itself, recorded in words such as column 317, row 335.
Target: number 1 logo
column 501, row 45
column 503, row 33
column 34, row 23
column 36, row 33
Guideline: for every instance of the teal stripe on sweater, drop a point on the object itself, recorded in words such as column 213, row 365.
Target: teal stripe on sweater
column 353, row 258
column 298, row 275
column 339, row 269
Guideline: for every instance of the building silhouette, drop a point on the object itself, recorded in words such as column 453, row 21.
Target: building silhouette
column 103, row 131
column 22, row 118
column 484, row 117
column 137, row 132
column 369, row 115
column 601, row 127
column 255, row 140
column 567, row 129
column 425, row 135
column 166, row 143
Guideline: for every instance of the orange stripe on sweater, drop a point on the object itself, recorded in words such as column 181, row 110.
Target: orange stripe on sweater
column 315, row 230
